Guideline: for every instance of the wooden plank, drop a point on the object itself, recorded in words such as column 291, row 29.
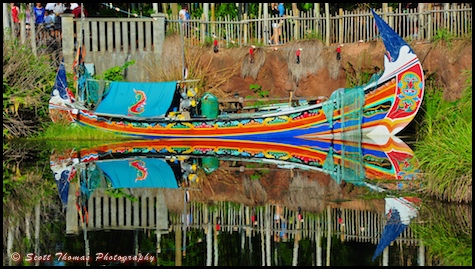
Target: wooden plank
column 113, row 210
column 99, row 214
column 117, row 35
column 95, row 36
column 152, row 220
column 143, row 209
column 106, row 211
column 92, row 212
column 148, row 36
column 133, row 37
column 102, row 38
column 141, row 35
column 128, row 213
column 136, row 218
column 87, row 36
column 121, row 212
column 110, row 36
column 125, row 37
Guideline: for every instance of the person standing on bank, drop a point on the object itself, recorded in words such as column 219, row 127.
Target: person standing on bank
column 281, row 9
column 251, row 54
column 275, row 24
column 297, row 53
column 49, row 24
column 215, row 46
column 16, row 19
column 39, row 12
column 184, row 16
column 79, row 11
column 58, row 9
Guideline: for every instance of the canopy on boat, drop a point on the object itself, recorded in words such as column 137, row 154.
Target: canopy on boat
column 141, row 99
column 139, row 173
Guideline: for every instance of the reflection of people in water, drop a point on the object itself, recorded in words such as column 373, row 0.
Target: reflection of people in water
column 340, row 218
column 254, row 217
column 218, row 225
column 282, row 222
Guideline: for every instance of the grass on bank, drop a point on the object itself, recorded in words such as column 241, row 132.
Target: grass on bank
column 447, row 232
column 74, row 135
column 444, row 147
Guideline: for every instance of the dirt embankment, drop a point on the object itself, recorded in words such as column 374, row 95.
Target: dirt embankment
column 320, row 73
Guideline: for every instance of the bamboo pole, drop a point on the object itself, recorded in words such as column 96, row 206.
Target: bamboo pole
column 37, row 229
column 329, row 236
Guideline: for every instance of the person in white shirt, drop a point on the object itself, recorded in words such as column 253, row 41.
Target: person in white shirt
column 74, row 5
column 49, row 6
column 58, row 9
column 184, row 15
column 183, row 11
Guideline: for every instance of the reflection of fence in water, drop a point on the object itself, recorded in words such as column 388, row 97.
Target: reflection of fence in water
column 149, row 211
column 359, row 225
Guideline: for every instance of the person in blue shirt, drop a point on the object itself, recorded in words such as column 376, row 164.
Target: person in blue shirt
column 281, row 9
column 49, row 23
column 39, row 13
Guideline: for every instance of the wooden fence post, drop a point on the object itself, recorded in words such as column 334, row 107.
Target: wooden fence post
column 429, row 25
column 391, row 18
column 67, row 27
column 203, row 25
column 420, row 10
column 296, row 20
column 327, row 18
column 317, row 17
column 266, row 23
column 340, row 27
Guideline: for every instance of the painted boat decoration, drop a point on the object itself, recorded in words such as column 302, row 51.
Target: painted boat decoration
column 173, row 109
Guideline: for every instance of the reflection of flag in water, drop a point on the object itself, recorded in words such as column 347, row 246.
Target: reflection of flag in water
column 62, row 182
column 400, row 211
column 394, row 227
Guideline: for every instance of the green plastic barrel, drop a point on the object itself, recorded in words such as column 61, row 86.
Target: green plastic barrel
column 209, row 106
column 209, row 164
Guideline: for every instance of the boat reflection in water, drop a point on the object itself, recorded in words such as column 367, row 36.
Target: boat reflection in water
column 120, row 186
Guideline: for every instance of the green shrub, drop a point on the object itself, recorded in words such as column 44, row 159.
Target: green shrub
column 444, row 146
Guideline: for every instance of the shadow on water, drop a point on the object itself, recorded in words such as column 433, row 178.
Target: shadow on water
column 221, row 202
